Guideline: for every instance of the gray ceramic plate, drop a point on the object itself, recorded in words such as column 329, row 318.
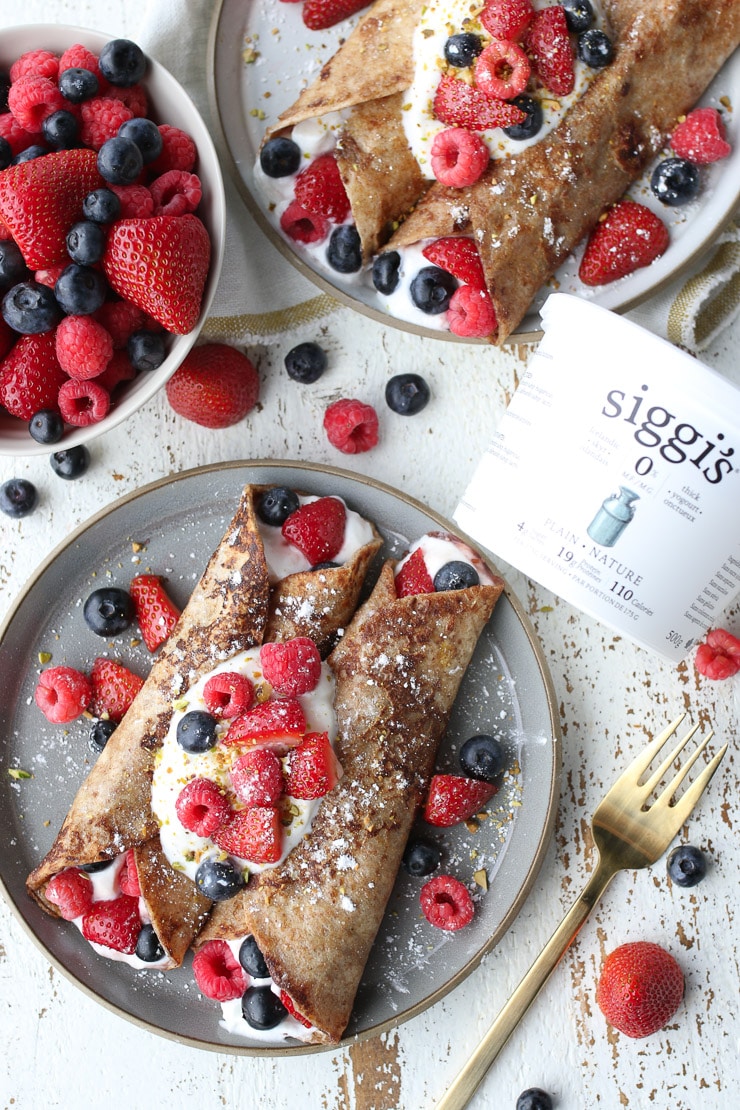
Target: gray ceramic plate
column 180, row 521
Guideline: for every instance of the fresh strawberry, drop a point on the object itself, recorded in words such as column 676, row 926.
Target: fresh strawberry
column 228, row 694
column 114, row 688
column 156, row 613
column 201, row 807
column 317, row 529
column 30, row 376
column 128, row 876
column 160, row 264
column 71, row 891
column 41, row 199
column 446, row 903
column 629, row 237
column 215, row 386
column 275, row 725
column 254, row 834
column 291, row 668
column 218, row 973
column 320, row 14
column 453, row 798
column 459, row 256
column 287, row 1001
column 257, row 778
column 114, row 923
column 413, row 577
column 548, row 44
column 63, row 694
column 319, row 188
column 507, row 19
column 701, row 137
column 640, row 988
column 314, row 769
column 719, row 656
column 460, row 105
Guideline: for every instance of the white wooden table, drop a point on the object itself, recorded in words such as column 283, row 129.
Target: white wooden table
column 61, row 1049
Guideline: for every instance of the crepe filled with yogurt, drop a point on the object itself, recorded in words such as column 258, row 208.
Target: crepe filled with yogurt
column 313, row 917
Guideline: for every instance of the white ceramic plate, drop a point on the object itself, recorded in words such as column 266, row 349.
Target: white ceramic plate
column 181, row 520
column 248, row 97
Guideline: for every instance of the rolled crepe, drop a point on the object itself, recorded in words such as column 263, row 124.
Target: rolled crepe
column 529, row 212
column 230, row 610
column 315, row 916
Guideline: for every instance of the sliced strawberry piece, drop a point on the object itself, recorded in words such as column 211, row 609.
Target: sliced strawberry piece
column 320, row 14
column 460, row 105
column 275, row 725
column 413, row 577
column 114, row 688
column 254, row 834
column 31, row 377
column 453, row 798
column 287, row 1001
column 628, row 238
column 507, row 19
column 314, row 769
column 156, row 613
column 114, row 923
column 459, row 256
column 548, row 44
column 319, row 189
column 317, row 529
column 257, row 778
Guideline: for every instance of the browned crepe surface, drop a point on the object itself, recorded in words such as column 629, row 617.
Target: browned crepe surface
column 315, row 917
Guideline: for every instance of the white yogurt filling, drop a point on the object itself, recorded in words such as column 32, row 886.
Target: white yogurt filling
column 233, row 1020
column 284, row 558
column 440, row 548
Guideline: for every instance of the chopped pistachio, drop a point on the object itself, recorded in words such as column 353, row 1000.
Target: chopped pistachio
column 481, row 879
column 19, row 773
column 44, row 657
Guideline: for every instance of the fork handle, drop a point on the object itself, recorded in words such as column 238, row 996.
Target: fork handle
column 470, row 1077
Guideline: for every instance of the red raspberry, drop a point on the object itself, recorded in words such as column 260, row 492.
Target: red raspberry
column 31, row 377
column 121, row 319
column 446, row 903
column 274, row 725
column 176, row 192
column 35, row 63
column 14, row 134
column 413, row 577
column 228, row 694
column 71, row 891
column 79, row 57
column 128, row 876
column 62, row 694
column 119, row 369
column 84, row 347
column 100, row 119
column 114, row 688
column 32, row 99
column 351, row 426
column 460, row 105
column 133, row 96
column 83, row 402
column 701, row 137
column 136, row 201
column 454, row 798
column 719, row 656
column 320, row 190
column 471, row 313
column 458, row 157
column 178, row 151
column 502, row 70
column 313, row 769
column 287, row 1001
column 291, row 668
column 254, row 834
column 548, row 44
column 257, row 778
column 303, row 226
column 218, row 973
column 458, row 255
column 317, row 529
column 507, row 19
column 201, row 807
column 114, row 924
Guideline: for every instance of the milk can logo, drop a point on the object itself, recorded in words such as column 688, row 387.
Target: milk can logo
column 615, row 513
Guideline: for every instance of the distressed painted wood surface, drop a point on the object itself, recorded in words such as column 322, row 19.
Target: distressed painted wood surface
column 63, row 1050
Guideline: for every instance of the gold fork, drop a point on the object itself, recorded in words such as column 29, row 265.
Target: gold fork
column 629, row 831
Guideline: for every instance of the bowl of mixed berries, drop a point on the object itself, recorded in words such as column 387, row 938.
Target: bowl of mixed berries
column 112, row 219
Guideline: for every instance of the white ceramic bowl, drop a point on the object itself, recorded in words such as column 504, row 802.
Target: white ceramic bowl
column 169, row 103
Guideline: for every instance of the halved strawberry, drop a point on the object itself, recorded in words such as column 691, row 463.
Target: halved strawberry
column 314, row 769
column 507, row 19
column 458, row 255
column 41, row 199
column 460, row 105
column 30, row 376
column 289, row 1004
column 319, row 188
column 254, row 834
column 275, row 725
column 161, row 265
column 413, row 577
column 156, row 613
column 454, row 798
column 114, row 923
column 317, row 529
column 548, row 44
column 629, row 237
column 114, row 688
column 320, row 14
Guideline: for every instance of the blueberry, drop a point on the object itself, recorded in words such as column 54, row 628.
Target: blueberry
column 407, row 394
column 196, row 731
column 533, row 122
column 70, row 464
column 36, row 150
column 148, row 948
column 275, row 506
column 146, row 135
column 595, row 48
column 100, row 734
column 675, row 181
column 17, row 497
column 306, row 363
column 386, row 272
column 102, row 205
column 12, row 265
column 99, row 865
column 30, row 308
column 579, row 14
column 252, row 959
column 455, row 575
column 108, row 611
column 534, row 1098
column 326, row 565
column 120, row 161
column 61, row 130
column 686, row 865
column 432, row 289
column 461, row 50
column 46, row 426
column 262, row 1009
column 218, row 880
column 86, row 242
column 344, row 253
column 147, row 349
column 77, row 84
column 280, row 157
column 80, row 290
column 6, row 154
column 482, row 757
column 421, row 857
column 122, row 62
